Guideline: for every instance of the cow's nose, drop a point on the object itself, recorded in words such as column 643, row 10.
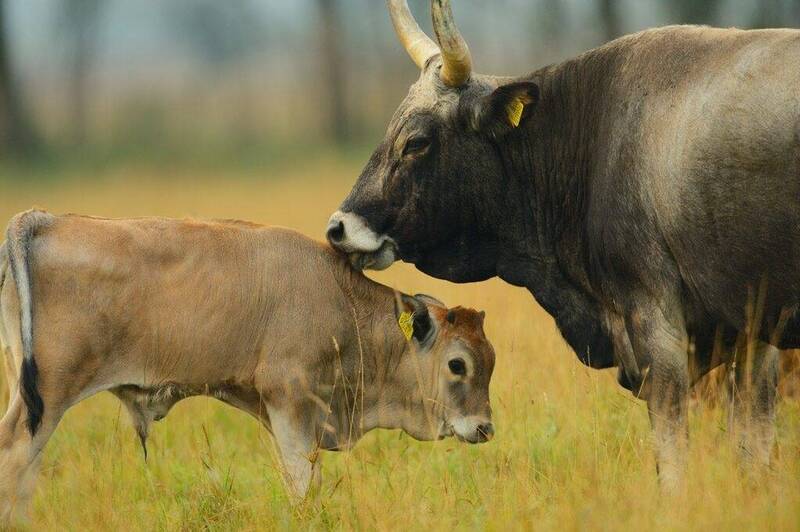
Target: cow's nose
column 486, row 430
column 335, row 231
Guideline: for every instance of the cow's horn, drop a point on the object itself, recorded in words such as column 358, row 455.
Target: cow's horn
column 418, row 45
column 456, row 59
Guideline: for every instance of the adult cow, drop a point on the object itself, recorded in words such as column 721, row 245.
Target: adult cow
column 647, row 193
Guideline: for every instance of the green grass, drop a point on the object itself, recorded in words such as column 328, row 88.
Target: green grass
column 572, row 450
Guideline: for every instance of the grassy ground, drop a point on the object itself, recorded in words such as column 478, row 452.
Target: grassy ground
column 572, row 449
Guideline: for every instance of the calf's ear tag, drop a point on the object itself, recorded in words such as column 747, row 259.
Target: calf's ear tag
column 406, row 323
column 514, row 110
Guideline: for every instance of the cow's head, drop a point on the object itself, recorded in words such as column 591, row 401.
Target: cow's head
column 448, row 371
column 424, row 196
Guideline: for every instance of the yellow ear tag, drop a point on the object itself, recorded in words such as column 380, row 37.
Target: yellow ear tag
column 406, row 323
column 514, row 110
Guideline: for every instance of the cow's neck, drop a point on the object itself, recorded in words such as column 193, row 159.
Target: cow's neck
column 548, row 169
column 393, row 398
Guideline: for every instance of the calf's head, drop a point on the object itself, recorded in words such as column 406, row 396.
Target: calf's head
column 431, row 191
column 448, row 371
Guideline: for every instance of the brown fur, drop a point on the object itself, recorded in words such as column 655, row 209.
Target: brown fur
column 264, row 319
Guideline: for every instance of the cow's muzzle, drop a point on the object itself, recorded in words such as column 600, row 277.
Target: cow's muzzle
column 349, row 233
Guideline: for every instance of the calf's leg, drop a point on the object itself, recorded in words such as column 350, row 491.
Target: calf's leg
column 10, row 362
column 299, row 450
column 20, row 455
column 11, row 378
column 753, row 401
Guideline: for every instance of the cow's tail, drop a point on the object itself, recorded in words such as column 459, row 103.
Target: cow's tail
column 19, row 236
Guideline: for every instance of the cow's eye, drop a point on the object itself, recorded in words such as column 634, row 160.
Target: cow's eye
column 416, row 145
column 457, row 366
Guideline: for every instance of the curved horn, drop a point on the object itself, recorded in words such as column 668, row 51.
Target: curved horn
column 418, row 45
column 456, row 59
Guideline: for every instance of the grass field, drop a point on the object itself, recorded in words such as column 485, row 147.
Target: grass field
column 572, row 449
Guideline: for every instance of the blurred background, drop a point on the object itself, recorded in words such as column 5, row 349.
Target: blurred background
column 256, row 109
column 266, row 110
column 258, row 82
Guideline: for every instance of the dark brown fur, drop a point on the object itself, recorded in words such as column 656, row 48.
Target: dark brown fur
column 649, row 200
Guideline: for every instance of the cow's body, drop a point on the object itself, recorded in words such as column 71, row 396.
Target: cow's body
column 695, row 179
column 156, row 310
column 647, row 193
column 683, row 184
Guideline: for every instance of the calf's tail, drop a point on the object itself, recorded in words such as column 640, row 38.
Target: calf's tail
column 19, row 236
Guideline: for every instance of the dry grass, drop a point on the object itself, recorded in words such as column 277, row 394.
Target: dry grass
column 572, row 449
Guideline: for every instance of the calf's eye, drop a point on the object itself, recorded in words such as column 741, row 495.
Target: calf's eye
column 457, row 366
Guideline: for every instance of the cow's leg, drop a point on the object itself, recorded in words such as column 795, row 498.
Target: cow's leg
column 660, row 344
column 299, row 450
column 753, row 402
column 9, row 337
column 11, row 378
column 20, row 454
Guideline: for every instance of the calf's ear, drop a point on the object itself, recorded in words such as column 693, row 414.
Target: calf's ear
column 414, row 319
column 430, row 300
column 507, row 107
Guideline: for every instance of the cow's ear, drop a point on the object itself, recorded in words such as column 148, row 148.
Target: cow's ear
column 414, row 319
column 507, row 107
